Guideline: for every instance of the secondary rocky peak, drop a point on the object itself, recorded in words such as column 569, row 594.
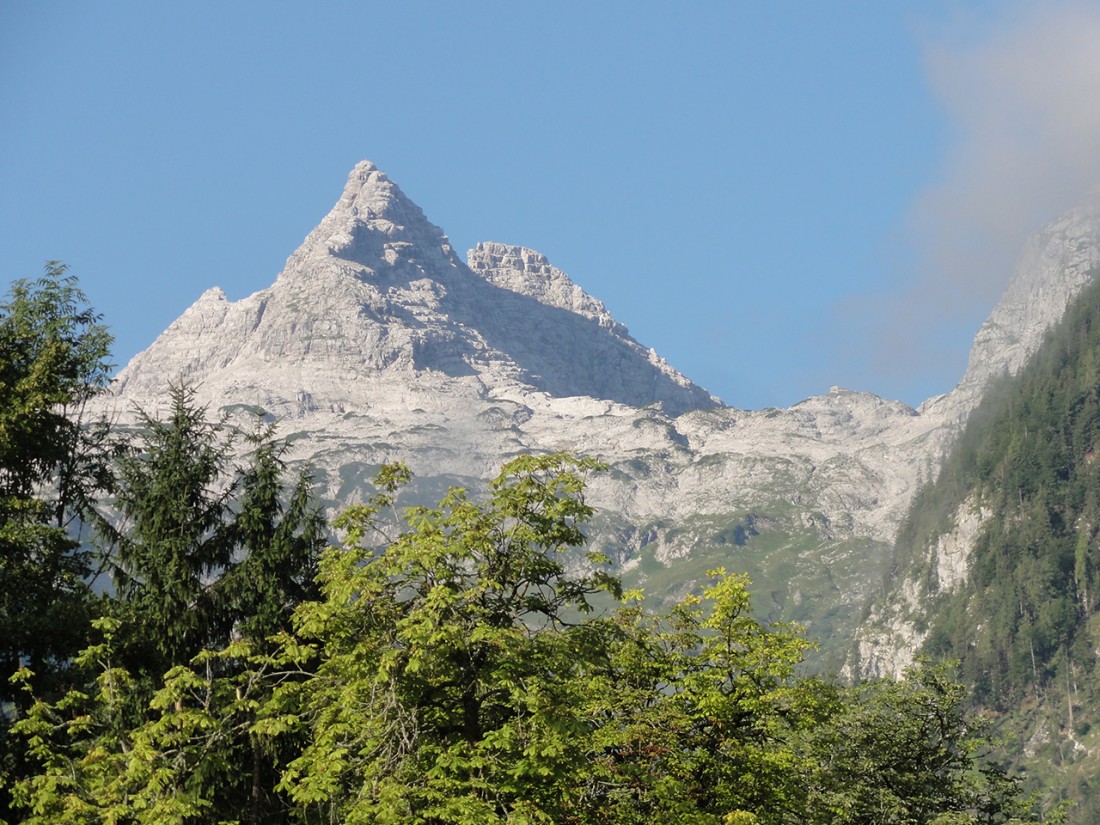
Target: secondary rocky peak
column 523, row 270
column 1055, row 264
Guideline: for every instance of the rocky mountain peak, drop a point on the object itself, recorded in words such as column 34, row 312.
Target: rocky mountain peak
column 374, row 224
column 523, row 270
column 375, row 304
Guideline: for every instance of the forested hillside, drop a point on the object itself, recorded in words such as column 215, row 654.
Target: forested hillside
column 1024, row 625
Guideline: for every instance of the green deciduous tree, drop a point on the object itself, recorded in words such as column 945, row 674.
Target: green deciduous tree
column 445, row 687
column 177, row 761
column 54, row 354
column 471, row 663
column 907, row 751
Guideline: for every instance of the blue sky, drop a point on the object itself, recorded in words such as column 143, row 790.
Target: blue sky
column 765, row 193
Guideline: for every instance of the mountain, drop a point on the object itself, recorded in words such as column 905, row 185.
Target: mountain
column 997, row 564
column 1056, row 265
column 376, row 298
column 377, row 343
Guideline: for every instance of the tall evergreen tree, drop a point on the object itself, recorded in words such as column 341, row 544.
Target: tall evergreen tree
column 53, row 357
column 277, row 532
column 203, row 551
column 171, row 542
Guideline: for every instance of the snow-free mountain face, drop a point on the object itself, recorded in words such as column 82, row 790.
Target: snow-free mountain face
column 376, row 296
column 376, row 343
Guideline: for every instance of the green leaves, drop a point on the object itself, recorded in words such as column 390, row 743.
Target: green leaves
column 437, row 692
column 907, row 751
column 172, row 764
column 453, row 669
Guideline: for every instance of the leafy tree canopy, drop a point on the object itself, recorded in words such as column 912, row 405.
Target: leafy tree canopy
column 471, row 663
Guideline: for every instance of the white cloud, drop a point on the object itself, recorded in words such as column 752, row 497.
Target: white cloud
column 1024, row 103
column 1022, row 96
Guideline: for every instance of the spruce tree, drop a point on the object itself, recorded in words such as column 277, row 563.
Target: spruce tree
column 277, row 531
column 53, row 358
column 171, row 542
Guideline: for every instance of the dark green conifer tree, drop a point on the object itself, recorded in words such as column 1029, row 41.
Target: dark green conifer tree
column 53, row 358
column 278, row 532
column 203, row 552
column 170, row 542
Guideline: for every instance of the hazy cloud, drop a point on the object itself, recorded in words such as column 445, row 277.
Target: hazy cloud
column 1022, row 96
column 1025, row 103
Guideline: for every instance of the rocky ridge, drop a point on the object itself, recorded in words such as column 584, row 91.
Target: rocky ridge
column 1056, row 264
column 377, row 343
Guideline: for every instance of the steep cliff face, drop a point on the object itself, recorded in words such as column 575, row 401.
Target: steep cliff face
column 1053, row 267
column 897, row 626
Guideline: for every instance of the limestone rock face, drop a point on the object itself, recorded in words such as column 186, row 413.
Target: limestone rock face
column 375, row 297
column 377, row 343
column 897, row 625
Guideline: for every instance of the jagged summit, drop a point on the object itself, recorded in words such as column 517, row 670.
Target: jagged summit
column 375, row 304
column 372, row 219
column 528, row 272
